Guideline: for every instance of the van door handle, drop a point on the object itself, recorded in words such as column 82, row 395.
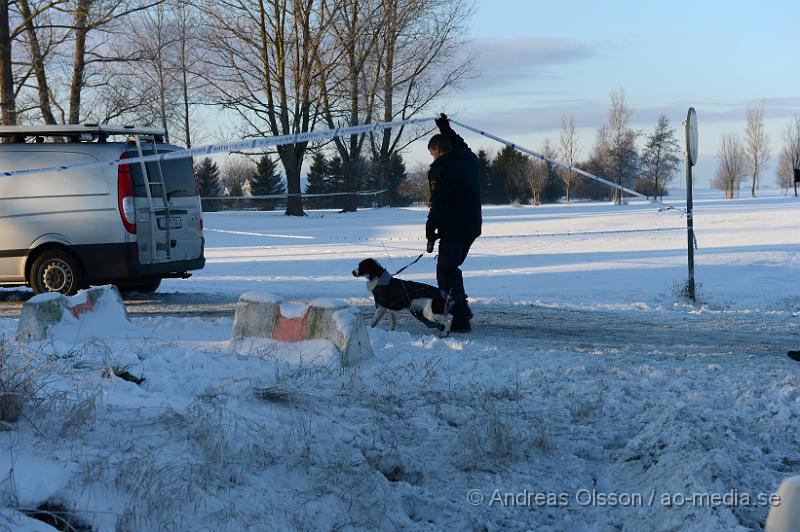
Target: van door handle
column 173, row 243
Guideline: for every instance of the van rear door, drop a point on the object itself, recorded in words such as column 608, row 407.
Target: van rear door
column 183, row 225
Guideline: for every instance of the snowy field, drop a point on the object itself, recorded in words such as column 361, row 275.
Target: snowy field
column 589, row 396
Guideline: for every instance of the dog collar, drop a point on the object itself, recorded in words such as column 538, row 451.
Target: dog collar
column 385, row 279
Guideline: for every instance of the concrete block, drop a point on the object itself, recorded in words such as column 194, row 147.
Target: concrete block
column 786, row 516
column 255, row 316
column 265, row 316
column 45, row 310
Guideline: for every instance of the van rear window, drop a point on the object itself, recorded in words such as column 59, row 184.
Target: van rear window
column 178, row 176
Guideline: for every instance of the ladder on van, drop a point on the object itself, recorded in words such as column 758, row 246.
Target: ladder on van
column 152, row 228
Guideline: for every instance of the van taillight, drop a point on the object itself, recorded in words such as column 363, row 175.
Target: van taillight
column 125, row 196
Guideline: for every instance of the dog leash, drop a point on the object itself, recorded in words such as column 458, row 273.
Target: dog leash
column 409, row 264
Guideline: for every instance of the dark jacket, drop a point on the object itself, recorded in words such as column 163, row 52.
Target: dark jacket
column 455, row 193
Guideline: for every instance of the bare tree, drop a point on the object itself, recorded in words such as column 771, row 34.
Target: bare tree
column 236, row 173
column 420, row 56
column 38, row 57
column 757, row 144
column 186, row 64
column 263, row 68
column 600, row 162
column 569, row 151
column 153, row 46
column 416, row 187
column 732, row 166
column 90, row 16
column 790, row 154
column 535, row 173
column 621, row 143
column 7, row 96
column 68, row 54
column 345, row 93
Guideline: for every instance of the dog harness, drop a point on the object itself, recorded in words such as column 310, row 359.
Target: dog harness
column 397, row 294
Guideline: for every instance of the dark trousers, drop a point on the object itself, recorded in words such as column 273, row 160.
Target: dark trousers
column 452, row 254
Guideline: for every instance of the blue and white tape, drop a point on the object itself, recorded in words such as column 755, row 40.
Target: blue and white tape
column 241, row 145
column 564, row 165
column 263, row 142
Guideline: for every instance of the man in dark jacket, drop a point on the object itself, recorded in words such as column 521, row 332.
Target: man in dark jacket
column 455, row 215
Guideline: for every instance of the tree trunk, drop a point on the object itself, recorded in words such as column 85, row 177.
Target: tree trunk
column 79, row 61
column 185, row 89
column 162, row 95
column 37, row 63
column 350, row 157
column 7, row 98
column 292, row 162
column 184, row 54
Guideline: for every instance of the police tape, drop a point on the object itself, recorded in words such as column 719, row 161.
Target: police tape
column 228, row 147
column 584, row 173
column 263, row 142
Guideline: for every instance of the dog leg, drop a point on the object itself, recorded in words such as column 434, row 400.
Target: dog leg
column 447, row 320
column 392, row 320
column 379, row 312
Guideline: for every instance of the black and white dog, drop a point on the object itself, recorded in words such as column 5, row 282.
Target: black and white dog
column 425, row 302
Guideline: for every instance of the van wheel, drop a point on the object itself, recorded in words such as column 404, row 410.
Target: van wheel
column 56, row 271
column 145, row 286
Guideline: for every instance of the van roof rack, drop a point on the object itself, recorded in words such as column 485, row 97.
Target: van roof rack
column 80, row 132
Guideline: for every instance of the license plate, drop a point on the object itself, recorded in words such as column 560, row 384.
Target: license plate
column 174, row 222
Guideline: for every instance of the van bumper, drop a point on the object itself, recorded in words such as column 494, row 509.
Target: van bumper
column 115, row 262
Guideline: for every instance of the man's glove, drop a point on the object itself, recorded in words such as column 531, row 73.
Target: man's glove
column 431, row 243
column 430, row 231
column 443, row 122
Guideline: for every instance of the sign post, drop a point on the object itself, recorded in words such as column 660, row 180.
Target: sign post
column 691, row 159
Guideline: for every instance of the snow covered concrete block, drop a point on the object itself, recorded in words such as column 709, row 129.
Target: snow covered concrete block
column 346, row 330
column 786, row 516
column 45, row 310
column 265, row 316
column 255, row 316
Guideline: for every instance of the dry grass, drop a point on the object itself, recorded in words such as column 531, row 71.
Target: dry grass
column 17, row 383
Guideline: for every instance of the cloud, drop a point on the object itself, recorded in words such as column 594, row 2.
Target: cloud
column 531, row 119
column 500, row 61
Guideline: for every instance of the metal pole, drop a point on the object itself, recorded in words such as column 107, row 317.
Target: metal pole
column 690, row 230
column 691, row 158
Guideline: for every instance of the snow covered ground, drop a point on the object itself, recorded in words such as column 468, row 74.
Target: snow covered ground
column 590, row 395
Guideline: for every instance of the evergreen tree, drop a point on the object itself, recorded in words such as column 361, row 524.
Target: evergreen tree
column 553, row 187
column 319, row 175
column 267, row 181
column 208, row 181
column 396, row 174
column 336, row 171
column 389, row 175
column 492, row 190
column 510, row 165
column 660, row 160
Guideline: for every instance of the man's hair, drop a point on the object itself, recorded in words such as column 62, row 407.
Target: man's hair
column 440, row 142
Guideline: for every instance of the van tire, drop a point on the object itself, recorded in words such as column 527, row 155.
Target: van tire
column 144, row 286
column 56, row 270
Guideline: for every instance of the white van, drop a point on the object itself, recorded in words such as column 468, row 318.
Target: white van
column 130, row 225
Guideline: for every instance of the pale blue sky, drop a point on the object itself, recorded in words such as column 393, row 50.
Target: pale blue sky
column 537, row 61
